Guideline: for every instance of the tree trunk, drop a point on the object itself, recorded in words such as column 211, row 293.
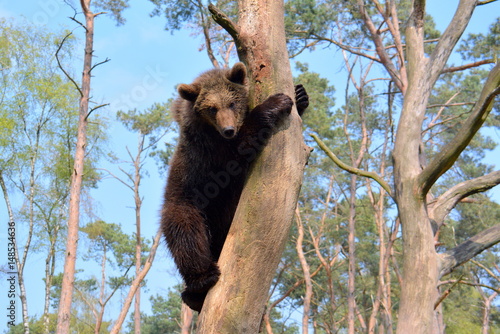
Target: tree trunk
column 351, row 255
column 307, row 299
column 138, row 243
column 412, row 179
column 262, row 221
column 50, row 264
column 186, row 319
column 136, row 284
column 64, row 315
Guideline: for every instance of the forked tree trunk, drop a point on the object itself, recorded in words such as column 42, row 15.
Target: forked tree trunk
column 262, row 221
column 64, row 315
column 422, row 265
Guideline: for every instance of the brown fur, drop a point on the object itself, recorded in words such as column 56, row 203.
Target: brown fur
column 219, row 138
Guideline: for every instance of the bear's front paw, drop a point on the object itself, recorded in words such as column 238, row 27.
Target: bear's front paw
column 279, row 103
column 301, row 99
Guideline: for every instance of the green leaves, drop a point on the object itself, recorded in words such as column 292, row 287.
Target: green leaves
column 480, row 46
column 113, row 7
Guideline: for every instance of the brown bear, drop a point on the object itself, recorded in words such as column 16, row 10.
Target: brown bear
column 219, row 138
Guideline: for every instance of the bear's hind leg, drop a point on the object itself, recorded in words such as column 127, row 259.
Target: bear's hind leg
column 188, row 239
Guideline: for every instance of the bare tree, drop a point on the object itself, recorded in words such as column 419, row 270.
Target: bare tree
column 414, row 70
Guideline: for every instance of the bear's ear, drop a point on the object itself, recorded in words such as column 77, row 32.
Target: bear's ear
column 189, row 92
column 238, row 74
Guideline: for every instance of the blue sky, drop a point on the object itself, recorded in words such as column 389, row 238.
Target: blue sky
column 146, row 63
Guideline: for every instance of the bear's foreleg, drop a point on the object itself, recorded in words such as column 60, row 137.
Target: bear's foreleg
column 261, row 122
column 188, row 239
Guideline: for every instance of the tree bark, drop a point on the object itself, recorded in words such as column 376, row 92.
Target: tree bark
column 262, row 221
column 64, row 315
column 420, row 261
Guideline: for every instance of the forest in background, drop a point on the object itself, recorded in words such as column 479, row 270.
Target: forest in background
column 341, row 270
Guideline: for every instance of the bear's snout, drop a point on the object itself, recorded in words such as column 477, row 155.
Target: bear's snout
column 228, row 132
column 226, row 123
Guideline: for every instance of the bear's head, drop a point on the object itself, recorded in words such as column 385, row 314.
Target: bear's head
column 220, row 97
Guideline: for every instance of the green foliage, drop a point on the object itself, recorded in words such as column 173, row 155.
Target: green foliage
column 149, row 121
column 36, row 326
column 480, row 46
column 115, row 7
column 106, row 237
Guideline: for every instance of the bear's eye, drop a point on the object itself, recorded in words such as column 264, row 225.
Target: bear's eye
column 232, row 105
column 212, row 110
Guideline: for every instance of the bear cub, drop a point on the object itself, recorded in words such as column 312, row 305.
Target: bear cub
column 219, row 138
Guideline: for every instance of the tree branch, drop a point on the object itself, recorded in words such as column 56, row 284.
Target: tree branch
column 468, row 249
column 347, row 48
column 480, row 3
column 491, row 273
column 447, row 201
column 467, row 66
column 381, row 51
column 450, row 152
column 61, row 67
column 350, row 169
column 100, row 63
column 450, row 38
column 225, row 22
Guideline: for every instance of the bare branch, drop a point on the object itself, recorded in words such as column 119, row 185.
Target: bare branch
column 470, row 284
column 480, row 3
column 117, row 178
column 350, row 169
column 450, row 38
column 468, row 249
column 447, row 292
column 380, row 47
column 482, row 266
column 447, row 201
column 61, row 67
column 100, row 63
column 450, row 152
column 350, row 49
column 467, row 66
column 457, row 104
column 225, row 22
column 95, row 108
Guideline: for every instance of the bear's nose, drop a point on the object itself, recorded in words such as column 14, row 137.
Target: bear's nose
column 228, row 132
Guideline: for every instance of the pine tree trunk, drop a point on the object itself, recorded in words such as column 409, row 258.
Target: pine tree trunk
column 262, row 221
column 138, row 243
column 64, row 315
